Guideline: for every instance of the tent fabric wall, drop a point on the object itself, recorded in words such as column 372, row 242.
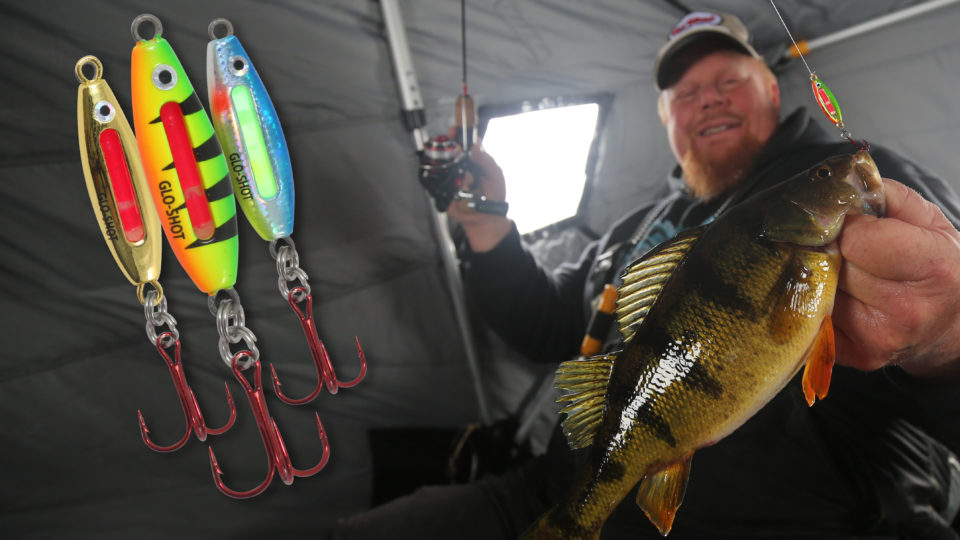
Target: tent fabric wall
column 77, row 364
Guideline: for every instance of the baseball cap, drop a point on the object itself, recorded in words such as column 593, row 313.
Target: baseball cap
column 699, row 27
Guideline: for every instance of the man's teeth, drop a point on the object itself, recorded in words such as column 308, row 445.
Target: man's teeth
column 716, row 129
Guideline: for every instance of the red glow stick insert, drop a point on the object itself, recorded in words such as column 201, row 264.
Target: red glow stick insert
column 187, row 170
column 122, row 185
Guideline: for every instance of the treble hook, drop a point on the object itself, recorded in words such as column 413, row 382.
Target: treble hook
column 191, row 409
column 321, row 360
column 278, row 460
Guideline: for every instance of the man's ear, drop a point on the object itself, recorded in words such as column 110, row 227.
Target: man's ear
column 771, row 80
column 662, row 107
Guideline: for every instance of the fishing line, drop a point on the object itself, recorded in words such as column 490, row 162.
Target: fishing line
column 464, row 119
column 463, row 42
column 825, row 98
column 680, row 6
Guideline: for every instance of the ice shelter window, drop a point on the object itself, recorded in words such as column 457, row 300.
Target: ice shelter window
column 544, row 153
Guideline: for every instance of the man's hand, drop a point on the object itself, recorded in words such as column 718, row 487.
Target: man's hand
column 899, row 297
column 484, row 231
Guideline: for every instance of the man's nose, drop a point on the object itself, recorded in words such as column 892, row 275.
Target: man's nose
column 711, row 96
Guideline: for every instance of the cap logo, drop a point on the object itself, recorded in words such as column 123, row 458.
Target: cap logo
column 694, row 20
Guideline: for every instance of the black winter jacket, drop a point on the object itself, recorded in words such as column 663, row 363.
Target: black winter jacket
column 877, row 457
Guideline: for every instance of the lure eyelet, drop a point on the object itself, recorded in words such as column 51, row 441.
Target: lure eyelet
column 212, row 28
column 164, row 77
column 238, row 66
column 139, row 20
column 95, row 64
column 104, row 112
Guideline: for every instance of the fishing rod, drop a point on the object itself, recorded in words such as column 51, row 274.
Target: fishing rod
column 465, row 110
column 445, row 161
column 415, row 120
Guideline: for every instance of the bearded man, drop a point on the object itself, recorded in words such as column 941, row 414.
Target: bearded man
column 877, row 459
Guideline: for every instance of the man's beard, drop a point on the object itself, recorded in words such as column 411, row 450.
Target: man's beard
column 708, row 176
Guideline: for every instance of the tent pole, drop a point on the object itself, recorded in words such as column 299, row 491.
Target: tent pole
column 414, row 119
column 413, row 114
column 807, row 46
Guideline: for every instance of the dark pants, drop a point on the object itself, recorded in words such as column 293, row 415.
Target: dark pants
column 910, row 485
column 491, row 508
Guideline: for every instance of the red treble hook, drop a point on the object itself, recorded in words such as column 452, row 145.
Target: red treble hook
column 191, row 409
column 278, row 460
column 321, row 360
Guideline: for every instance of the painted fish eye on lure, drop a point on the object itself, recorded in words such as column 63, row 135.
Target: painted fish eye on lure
column 103, row 111
column 164, row 77
column 238, row 66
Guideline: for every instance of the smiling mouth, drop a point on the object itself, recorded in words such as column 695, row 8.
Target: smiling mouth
column 712, row 130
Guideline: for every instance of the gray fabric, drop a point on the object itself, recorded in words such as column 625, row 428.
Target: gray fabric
column 77, row 364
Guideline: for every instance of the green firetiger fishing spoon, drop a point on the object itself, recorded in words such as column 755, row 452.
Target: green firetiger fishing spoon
column 824, row 97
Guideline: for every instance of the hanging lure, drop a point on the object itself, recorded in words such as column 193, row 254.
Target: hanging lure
column 189, row 177
column 822, row 94
column 825, row 99
column 190, row 182
column 249, row 130
column 118, row 191
column 115, row 180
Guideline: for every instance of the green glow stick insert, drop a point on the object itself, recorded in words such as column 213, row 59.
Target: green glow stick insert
column 253, row 141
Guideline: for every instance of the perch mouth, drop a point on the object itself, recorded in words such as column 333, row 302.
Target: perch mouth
column 866, row 179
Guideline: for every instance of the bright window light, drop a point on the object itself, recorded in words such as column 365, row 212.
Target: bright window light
column 543, row 155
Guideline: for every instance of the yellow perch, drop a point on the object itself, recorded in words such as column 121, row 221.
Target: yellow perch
column 715, row 322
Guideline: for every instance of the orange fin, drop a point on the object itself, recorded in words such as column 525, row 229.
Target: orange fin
column 660, row 493
column 819, row 368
